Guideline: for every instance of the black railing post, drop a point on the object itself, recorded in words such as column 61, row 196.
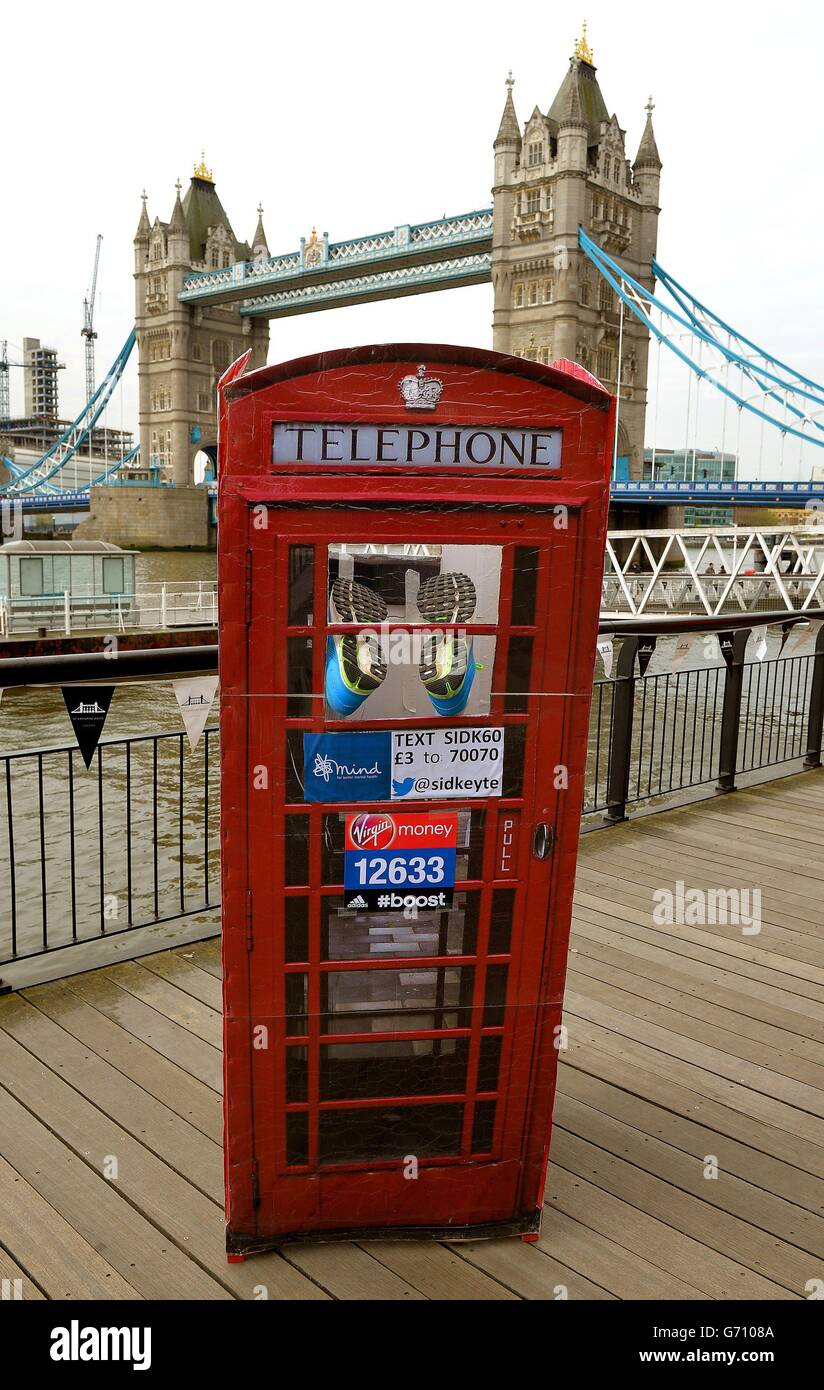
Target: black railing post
column 815, row 721
column 733, row 646
column 620, row 745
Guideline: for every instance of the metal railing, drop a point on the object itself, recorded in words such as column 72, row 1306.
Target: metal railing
column 156, row 607
column 131, row 842
column 135, row 840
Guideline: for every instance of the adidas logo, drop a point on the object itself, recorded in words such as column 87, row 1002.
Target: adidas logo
column 357, row 902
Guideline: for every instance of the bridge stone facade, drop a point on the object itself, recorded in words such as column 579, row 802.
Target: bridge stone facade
column 184, row 348
column 569, row 168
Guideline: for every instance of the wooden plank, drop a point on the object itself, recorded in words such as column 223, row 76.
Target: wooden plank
column 169, row 1039
column 799, row 939
column 436, row 1270
column 16, row 1283
column 633, row 940
column 206, row 954
column 63, row 1264
column 624, row 1273
column 714, row 1274
column 691, row 1131
column 182, row 1219
column 673, row 974
column 793, row 1095
column 186, row 976
column 727, row 1193
column 168, row 1000
column 348, row 1272
column 168, row 1083
column 183, row 1147
column 589, row 1058
column 683, row 1013
column 781, row 972
column 759, row 855
column 705, row 1083
column 529, row 1272
column 728, row 1235
column 110, row 1223
column 657, row 845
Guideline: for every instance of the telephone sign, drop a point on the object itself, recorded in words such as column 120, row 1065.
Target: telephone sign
column 410, row 559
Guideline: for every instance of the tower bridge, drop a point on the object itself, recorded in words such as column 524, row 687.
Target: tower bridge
column 203, row 295
column 569, row 248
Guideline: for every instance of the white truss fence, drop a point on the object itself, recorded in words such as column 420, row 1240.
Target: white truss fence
column 725, row 570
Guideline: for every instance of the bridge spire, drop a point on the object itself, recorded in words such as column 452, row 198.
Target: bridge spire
column 509, row 132
column 648, row 156
column 144, row 226
column 260, row 246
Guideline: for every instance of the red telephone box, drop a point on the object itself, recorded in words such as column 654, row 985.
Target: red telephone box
column 410, row 558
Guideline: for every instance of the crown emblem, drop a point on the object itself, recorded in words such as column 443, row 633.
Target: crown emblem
column 421, row 392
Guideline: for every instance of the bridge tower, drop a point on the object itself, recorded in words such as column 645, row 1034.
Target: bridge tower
column 568, row 168
column 183, row 349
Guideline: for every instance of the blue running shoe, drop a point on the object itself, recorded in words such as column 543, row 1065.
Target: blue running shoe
column 355, row 663
column 447, row 666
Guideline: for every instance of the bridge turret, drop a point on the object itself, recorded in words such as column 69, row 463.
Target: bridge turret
column 647, row 177
column 260, row 246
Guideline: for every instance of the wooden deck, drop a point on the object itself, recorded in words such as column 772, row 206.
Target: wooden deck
column 686, row 1043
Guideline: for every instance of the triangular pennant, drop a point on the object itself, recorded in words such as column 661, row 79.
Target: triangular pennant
column 759, row 635
column 195, row 698
column 646, row 647
column 799, row 635
column 605, row 648
column 87, row 707
column 725, row 643
column 682, row 649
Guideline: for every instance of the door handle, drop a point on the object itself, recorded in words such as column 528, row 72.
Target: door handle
column 543, row 839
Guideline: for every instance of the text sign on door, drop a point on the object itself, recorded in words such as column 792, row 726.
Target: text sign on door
column 447, row 764
column 393, row 863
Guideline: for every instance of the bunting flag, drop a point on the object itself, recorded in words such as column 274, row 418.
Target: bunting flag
column 725, row 641
column 799, row 635
column 646, row 647
column 683, row 647
column 605, row 648
column 759, row 636
column 87, row 707
column 195, row 698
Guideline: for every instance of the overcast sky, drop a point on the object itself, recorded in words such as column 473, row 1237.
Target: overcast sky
column 360, row 116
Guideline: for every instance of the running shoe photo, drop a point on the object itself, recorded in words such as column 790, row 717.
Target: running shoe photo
column 447, row 665
column 355, row 662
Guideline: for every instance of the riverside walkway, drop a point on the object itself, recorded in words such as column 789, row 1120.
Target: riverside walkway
column 692, row 1050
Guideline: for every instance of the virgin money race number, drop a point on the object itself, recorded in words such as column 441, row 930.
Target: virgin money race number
column 397, row 872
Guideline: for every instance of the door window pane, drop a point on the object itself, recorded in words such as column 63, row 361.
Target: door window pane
column 360, row 1071
column 351, row 1136
column 301, row 585
column 381, row 935
column 378, row 674
column 397, row 1001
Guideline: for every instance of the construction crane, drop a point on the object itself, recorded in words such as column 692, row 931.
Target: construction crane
column 87, row 330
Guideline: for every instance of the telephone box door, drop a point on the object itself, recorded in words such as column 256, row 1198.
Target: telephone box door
column 395, row 1081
